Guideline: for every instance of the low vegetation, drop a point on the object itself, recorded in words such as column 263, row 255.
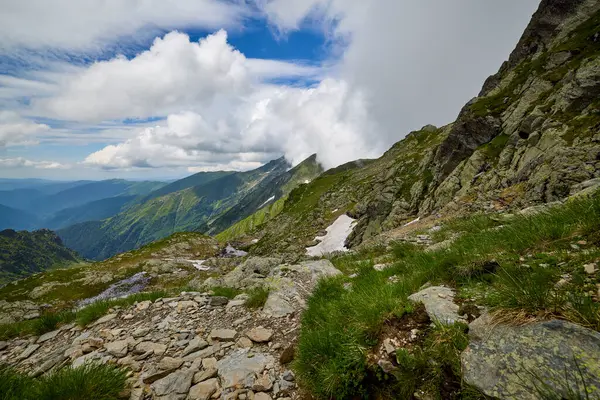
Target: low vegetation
column 527, row 267
column 257, row 298
column 91, row 381
column 50, row 321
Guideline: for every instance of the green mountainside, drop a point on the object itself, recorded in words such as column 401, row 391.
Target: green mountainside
column 191, row 209
column 24, row 253
column 266, row 193
column 92, row 211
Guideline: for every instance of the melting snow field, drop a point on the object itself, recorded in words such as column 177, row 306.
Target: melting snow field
column 270, row 199
column 337, row 233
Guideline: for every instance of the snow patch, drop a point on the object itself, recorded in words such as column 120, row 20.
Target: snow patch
column 270, row 199
column 233, row 252
column 199, row 265
column 307, row 181
column 413, row 221
column 336, row 236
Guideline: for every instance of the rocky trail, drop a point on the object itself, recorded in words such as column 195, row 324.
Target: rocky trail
column 193, row 346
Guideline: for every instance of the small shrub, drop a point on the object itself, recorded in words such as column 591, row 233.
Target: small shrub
column 258, row 298
column 228, row 292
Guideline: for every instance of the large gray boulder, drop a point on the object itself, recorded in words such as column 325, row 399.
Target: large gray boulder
column 510, row 362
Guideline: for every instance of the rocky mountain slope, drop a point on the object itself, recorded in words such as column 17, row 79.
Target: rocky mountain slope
column 25, row 253
column 473, row 269
column 529, row 138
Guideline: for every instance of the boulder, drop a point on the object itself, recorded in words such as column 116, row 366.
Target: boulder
column 510, row 362
column 195, row 345
column 119, row 348
column 47, row 336
column 145, row 347
column 439, row 304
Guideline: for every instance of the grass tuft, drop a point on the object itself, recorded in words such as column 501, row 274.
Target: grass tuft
column 258, row 298
column 224, row 291
column 91, row 381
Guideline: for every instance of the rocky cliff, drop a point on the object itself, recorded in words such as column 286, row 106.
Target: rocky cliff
column 530, row 137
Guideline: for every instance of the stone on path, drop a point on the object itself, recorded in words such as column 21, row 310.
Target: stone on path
column 204, row 390
column 176, row 385
column 47, row 336
column 439, row 304
column 260, row 334
column 239, row 369
column 225, row 335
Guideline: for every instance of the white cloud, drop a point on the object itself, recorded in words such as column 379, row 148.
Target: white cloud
column 173, row 75
column 327, row 119
column 20, row 162
column 15, row 130
column 416, row 62
column 85, row 25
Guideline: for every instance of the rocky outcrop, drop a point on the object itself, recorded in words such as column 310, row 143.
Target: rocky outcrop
column 534, row 360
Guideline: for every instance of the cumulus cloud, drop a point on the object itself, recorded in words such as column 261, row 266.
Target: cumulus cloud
column 15, row 130
column 232, row 118
column 327, row 119
column 20, row 162
column 85, row 25
column 174, row 74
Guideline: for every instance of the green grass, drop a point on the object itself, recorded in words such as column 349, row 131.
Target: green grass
column 47, row 322
column 91, row 381
column 50, row 321
column 258, row 298
column 94, row 311
column 224, row 291
column 416, row 371
column 340, row 326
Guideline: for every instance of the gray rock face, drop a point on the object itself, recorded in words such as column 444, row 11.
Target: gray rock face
column 439, row 303
column 508, row 362
column 239, row 370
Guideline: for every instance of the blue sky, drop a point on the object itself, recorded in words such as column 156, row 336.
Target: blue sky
column 98, row 89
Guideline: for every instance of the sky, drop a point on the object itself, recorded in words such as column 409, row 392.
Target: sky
column 155, row 89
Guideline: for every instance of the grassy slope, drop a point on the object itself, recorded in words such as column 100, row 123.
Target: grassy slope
column 190, row 209
column 249, row 213
column 24, row 253
column 312, row 207
column 192, row 245
column 530, row 255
